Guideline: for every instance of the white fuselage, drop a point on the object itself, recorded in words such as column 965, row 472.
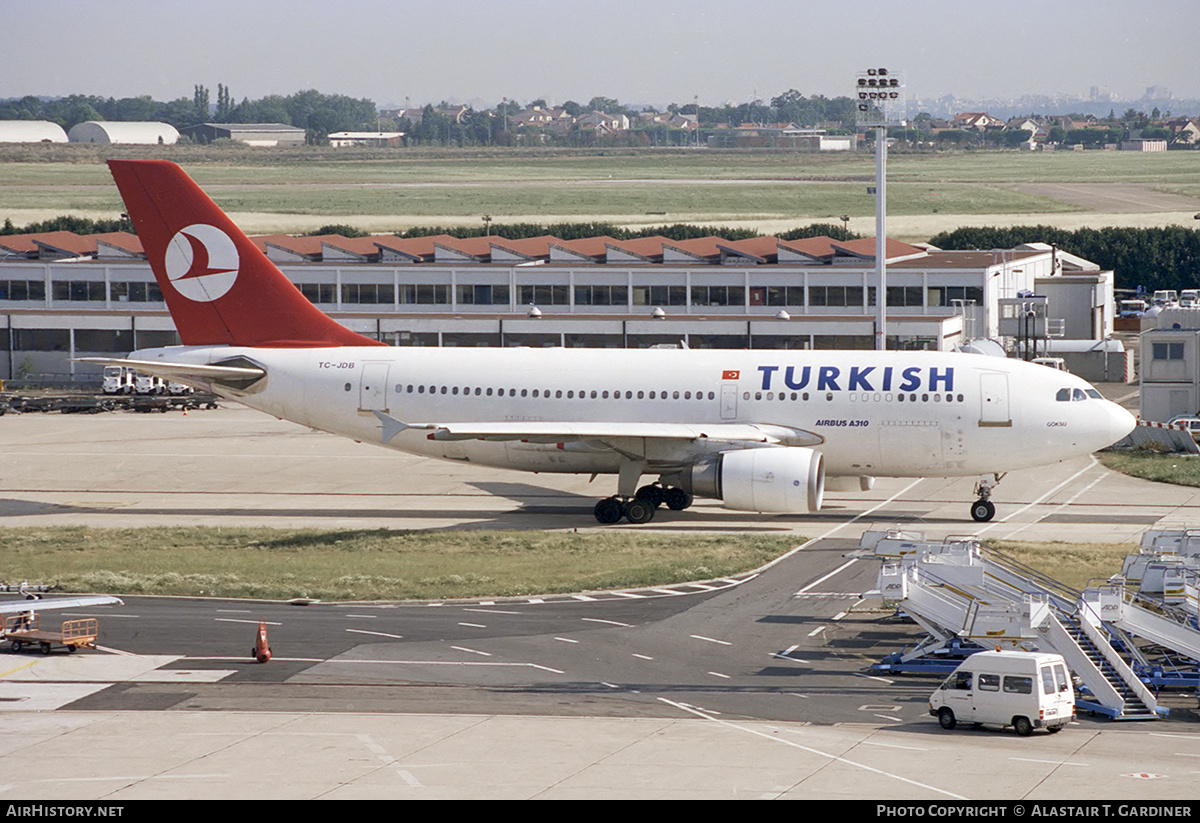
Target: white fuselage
column 876, row 414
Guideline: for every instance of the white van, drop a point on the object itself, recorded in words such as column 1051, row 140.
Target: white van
column 1025, row 690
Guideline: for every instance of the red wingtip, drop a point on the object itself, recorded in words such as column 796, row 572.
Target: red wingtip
column 219, row 288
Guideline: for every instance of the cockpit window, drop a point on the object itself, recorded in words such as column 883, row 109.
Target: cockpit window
column 1063, row 394
column 1078, row 394
column 1093, row 394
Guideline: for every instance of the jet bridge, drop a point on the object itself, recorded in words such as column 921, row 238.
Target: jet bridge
column 962, row 593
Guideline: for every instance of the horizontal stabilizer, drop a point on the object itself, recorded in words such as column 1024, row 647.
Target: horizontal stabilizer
column 238, row 377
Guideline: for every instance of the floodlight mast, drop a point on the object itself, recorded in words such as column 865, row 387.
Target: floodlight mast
column 880, row 103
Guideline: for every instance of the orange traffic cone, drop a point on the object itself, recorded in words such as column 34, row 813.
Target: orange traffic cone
column 261, row 651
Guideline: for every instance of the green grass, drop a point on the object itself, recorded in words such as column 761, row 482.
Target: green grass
column 1077, row 565
column 263, row 563
column 369, row 565
column 1182, row 470
column 687, row 185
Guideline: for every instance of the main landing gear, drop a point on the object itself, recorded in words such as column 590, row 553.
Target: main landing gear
column 983, row 510
column 642, row 506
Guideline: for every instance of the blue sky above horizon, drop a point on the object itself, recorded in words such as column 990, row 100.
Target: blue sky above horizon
column 643, row 52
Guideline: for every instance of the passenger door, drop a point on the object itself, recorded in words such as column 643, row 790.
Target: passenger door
column 372, row 393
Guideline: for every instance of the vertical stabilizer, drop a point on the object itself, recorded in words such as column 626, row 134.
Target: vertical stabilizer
column 219, row 288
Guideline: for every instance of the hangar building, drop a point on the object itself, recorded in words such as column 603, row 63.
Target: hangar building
column 110, row 131
column 31, row 131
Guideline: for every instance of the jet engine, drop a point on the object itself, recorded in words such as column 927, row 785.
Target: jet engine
column 782, row 479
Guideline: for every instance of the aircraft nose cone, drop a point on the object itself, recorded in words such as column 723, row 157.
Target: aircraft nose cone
column 1120, row 422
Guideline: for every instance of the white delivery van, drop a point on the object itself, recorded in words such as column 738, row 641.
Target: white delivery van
column 1025, row 690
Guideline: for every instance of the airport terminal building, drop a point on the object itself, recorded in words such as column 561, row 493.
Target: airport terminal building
column 64, row 296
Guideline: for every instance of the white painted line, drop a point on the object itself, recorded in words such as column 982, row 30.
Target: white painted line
column 471, row 651
column 820, row 580
column 376, row 634
column 710, row 640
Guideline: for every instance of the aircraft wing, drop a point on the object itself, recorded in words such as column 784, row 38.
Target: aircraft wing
column 14, row 606
column 189, row 373
column 543, row 431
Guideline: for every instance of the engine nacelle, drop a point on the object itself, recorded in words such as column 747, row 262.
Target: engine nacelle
column 782, row 479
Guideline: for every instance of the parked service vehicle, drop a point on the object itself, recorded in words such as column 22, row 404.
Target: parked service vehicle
column 1165, row 297
column 1133, row 308
column 118, row 380
column 1051, row 362
column 145, row 384
column 1025, row 690
column 1189, row 299
column 1192, row 424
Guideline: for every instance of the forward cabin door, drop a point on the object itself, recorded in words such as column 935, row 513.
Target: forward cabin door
column 993, row 399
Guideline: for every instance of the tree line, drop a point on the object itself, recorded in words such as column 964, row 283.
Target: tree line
column 317, row 113
column 1150, row 258
column 320, row 114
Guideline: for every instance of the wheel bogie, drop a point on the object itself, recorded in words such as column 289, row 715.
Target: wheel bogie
column 642, row 506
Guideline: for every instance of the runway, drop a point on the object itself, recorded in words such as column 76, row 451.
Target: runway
column 753, row 687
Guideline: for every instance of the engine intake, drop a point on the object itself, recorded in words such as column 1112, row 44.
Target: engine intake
column 783, row 479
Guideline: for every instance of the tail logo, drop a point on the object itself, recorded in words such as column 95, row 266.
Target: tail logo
column 202, row 262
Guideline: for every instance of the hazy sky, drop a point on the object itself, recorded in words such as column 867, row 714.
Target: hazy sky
column 638, row 51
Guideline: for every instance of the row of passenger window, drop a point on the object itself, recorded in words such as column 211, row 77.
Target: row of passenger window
column 557, row 394
column 600, row 394
column 861, row 397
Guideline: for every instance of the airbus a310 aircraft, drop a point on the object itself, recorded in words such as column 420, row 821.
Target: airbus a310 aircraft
column 765, row 431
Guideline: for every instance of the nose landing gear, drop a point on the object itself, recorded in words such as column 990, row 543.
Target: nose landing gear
column 983, row 510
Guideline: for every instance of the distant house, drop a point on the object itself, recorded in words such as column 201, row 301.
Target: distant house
column 602, row 122
column 977, row 121
column 1184, row 131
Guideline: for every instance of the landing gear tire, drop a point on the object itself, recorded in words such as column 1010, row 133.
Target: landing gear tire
column 609, row 510
column 982, row 511
column 653, row 495
column 676, row 499
column 639, row 510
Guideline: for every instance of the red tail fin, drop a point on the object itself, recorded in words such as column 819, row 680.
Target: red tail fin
column 219, row 288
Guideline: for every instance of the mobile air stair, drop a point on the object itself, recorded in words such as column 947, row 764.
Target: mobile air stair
column 967, row 597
